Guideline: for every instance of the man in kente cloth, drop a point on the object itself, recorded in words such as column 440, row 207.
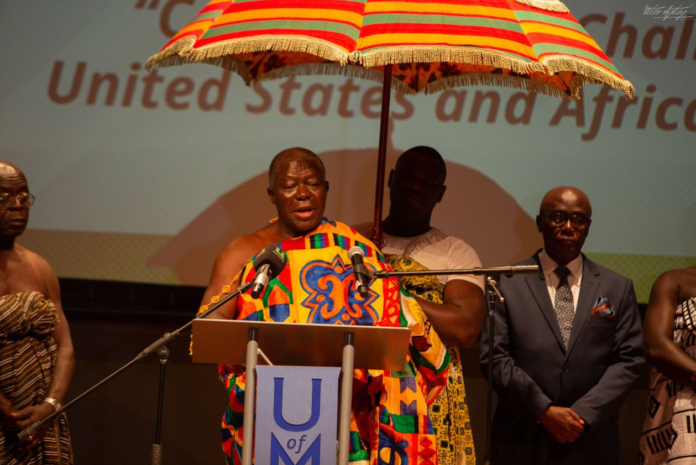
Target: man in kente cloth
column 389, row 420
column 453, row 304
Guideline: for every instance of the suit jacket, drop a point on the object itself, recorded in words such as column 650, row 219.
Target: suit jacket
column 532, row 369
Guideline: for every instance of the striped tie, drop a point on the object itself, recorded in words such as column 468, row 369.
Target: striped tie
column 564, row 304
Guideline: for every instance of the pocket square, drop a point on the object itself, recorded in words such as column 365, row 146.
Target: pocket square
column 603, row 308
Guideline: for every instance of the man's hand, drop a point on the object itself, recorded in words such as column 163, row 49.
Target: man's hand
column 562, row 423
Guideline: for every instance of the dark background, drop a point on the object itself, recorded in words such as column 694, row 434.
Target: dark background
column 111, row 323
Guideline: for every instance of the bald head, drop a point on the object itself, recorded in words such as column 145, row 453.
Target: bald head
column 8, row 169
column 562, row 194
column 296, row 154
column 564, row 221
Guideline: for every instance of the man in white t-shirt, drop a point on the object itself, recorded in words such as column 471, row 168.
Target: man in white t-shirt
column 454, row 304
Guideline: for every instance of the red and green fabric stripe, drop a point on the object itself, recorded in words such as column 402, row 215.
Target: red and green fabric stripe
column 336, row 22
column 201, row 22
column 554, row 34
column 486, row 24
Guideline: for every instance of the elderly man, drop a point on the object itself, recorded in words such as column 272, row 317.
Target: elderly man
column 317, row 286
column 567, row 348
column 36, row 352
column 454, row 304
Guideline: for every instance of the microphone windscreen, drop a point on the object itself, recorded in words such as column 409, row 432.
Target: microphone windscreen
column 274, row 257
column 355, row 250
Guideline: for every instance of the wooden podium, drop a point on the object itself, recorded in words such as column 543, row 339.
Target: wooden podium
column 237, row 342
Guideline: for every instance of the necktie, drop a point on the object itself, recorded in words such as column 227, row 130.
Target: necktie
column 564, row 304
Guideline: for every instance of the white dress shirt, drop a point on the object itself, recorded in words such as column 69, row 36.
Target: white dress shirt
column 548, row 266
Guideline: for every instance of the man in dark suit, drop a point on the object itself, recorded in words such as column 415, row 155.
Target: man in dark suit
column 567, row 348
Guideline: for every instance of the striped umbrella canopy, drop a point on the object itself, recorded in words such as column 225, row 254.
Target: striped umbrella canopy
column 424, row 45
column 532, row 44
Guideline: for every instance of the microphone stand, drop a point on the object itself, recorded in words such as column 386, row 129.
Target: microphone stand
column 156, row 450
column 491, row 271
column 28, row 432
column 492, row 281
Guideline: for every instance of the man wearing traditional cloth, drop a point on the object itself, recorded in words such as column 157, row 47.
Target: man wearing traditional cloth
column 454, row 304
column 389, row 420
column 36, row 352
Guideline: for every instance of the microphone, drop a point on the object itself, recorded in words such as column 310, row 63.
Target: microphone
column 29, row 431
column 268, row 264
column 522, row 269
column 360, row 271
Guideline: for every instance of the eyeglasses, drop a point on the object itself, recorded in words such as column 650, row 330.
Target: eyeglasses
column 25, row 200
column 558, row 219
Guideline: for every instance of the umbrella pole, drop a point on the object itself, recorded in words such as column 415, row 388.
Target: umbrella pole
column 376, row 234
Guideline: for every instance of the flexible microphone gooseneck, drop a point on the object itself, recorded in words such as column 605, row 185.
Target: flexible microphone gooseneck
column 360, row 271
column 268, row 264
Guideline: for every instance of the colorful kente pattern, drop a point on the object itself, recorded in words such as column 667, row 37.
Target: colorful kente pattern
column 449, row 412
column 326, row 283
column 389, row 409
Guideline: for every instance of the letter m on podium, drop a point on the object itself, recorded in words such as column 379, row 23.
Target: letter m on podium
column 278, row 453
column 296, row 415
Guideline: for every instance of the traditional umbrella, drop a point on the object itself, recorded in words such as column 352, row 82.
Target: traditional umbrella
column 425, row 45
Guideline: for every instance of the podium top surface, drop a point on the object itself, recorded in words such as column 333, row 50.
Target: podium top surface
column 225, row 341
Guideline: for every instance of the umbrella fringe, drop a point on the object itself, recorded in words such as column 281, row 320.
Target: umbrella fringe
column 350, row 70
column 171, row 56
column 449, row 54
column 587, row 73
column 549, row 5
column 231, row 64
column 182, row 51
column 498, row 80
column 355, row 71
column 325, row 69
column 360, row 65
column 294, row 44
column 335, row 69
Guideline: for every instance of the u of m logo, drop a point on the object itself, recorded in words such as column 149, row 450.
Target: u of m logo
column 296, row 415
